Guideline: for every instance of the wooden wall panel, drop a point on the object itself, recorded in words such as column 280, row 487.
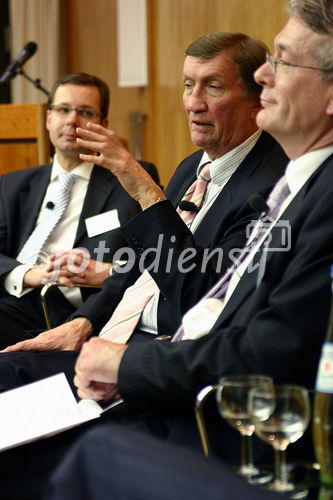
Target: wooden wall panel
column 24, row 140
column 177, row 24
column 92, row 48
column 17, row 156
column 172, row 26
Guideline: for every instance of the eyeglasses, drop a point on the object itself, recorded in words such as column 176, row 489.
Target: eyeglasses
column 86, row 113
column 273, row 63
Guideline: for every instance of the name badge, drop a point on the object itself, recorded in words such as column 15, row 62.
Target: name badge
column 101, row 223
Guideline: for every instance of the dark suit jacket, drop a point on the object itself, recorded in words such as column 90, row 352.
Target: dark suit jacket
column 275, row 326
column 162, row 379
column 223, row 224
column 21, row 195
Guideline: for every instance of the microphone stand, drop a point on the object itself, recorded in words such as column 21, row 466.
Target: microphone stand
column 36, row 82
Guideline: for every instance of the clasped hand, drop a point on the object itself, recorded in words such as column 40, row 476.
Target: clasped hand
column 67, row 268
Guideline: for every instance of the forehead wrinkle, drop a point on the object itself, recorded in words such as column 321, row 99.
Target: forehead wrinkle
column 219, row 64
column 300, row 44
column 211, row 76
column 283, row 47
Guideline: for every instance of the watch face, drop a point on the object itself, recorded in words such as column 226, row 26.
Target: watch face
column 117, row 264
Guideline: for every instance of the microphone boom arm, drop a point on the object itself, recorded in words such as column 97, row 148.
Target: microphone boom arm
column 36, row 82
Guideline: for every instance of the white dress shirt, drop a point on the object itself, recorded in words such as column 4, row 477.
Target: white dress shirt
column 63, row 236
column 221, row 170
column 199, row 320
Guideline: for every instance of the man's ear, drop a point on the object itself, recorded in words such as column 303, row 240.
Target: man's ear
column 105, row 122
column 48, row 116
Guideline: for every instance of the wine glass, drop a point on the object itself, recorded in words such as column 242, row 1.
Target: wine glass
column 232, row 398
column 280, row 416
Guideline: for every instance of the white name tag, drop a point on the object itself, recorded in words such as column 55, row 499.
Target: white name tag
column 101, row 223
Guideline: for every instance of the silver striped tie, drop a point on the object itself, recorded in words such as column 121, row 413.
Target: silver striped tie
column 34, row 244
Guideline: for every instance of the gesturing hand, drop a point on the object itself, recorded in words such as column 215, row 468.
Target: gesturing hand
column 115, row 157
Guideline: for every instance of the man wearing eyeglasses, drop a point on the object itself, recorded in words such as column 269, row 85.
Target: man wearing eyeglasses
column 273, row 314
column 273, row 320
column 272, row 317
column 29, row 197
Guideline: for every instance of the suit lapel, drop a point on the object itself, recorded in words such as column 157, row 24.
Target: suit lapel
column 31, row 199
column 249, row 281
column 184, row 176
column 265, row 151
column 239, row 186
column 255, row 272
column 100, row 187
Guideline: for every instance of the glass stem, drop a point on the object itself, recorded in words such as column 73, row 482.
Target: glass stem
column 281, row 474
column 247, row 452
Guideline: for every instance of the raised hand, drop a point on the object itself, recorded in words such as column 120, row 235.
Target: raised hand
column 115, row 157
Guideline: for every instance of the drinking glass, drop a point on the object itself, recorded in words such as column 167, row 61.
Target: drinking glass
column 280, row 416
column 232, row 398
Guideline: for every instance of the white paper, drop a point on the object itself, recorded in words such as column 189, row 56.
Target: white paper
column 101, row 223
column 40, row 409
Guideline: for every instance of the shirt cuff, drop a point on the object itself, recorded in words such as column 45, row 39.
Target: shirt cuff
column 14, row 281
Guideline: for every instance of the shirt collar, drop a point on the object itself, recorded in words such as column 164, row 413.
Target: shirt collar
column 83, row 170
column 300, row 170
column 223, row 167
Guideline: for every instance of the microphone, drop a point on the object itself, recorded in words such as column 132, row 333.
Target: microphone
column 258, row 204
column 50, row 205
column 188, row 206
column 28, row 50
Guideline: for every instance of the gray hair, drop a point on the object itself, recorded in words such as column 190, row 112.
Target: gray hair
column 246, row 53
column 318, row 16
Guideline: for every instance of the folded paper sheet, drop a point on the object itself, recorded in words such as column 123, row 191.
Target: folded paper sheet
column 41, row 409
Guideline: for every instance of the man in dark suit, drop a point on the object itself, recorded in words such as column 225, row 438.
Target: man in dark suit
column 272, row 315
column 28, row 196
column 159, row 380
column 221, row 111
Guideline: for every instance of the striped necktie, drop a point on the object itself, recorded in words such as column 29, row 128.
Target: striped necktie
column 274, row 202
column 34, row 244
column 196, row 193
column 126, row 316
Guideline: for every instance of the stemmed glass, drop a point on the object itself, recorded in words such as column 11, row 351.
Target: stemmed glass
column 280, row 417
column 232, row 399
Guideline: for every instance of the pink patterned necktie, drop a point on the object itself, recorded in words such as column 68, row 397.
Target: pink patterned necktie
column 274, row 202
column 126, row 316
column 196, row 193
